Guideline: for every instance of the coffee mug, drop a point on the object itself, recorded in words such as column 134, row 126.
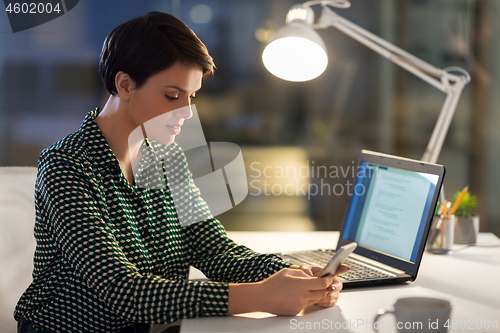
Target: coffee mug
column 418, row 314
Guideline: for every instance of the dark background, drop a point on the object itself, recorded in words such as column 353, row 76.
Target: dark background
column 49, row 81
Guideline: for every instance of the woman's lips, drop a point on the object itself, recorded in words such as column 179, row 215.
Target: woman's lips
column 174, row 129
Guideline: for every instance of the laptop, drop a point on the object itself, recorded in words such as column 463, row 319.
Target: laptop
column 389, row 215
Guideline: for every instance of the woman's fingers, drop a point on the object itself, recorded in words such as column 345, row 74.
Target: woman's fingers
column 290, row 290
column 297, row 273
column 324, row 291
column 321, row 283
column 307, row 269
column 332, row 296
column 311, row 283
column 310, row 270
column 342, row 269
column 328, row 301
column 318, row 296
column 337, row 285
column 315, row 270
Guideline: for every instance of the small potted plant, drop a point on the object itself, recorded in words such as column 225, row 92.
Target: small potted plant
column 466, row 220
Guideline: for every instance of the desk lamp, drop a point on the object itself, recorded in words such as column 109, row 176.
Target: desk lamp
column 297, row 53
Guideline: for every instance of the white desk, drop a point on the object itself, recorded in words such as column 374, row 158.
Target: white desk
column 454, row 276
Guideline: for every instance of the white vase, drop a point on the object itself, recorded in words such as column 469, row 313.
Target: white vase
column 466, row 230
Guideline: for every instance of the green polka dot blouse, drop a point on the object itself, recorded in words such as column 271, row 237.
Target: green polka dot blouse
column 109, row 254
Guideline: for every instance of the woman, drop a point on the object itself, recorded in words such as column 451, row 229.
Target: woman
column 111, row 256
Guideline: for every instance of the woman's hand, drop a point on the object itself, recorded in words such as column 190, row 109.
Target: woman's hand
column 333, row 296
column 289, row 291
column 314, row 270
column 286, row 292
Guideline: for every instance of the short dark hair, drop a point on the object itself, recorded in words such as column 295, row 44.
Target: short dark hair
column 146, row 45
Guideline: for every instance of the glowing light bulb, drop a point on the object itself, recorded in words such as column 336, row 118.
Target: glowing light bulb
column 296, row 53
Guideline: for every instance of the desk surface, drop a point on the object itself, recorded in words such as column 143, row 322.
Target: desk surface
column 476, row 303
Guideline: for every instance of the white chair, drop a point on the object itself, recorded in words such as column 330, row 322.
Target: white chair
column 17, row 243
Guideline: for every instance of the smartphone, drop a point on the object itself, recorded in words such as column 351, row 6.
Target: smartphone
column 338, row 258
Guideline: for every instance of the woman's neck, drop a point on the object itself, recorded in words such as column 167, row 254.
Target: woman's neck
column 116, row 128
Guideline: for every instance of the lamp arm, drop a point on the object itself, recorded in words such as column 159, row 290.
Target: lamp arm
column 443, row 122
column 418, row 67
column 451, row 84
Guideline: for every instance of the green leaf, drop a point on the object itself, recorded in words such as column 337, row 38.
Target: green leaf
column 468, row 206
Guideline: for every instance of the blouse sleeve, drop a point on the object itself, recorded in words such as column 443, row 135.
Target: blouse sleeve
column 221, row 259
column 69, row 200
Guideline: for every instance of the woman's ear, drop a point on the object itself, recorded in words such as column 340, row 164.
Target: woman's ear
column 123, row 84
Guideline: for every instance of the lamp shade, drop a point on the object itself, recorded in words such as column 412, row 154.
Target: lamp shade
column 296, row 53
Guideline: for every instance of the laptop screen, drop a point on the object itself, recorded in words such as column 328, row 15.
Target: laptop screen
column 389, row 209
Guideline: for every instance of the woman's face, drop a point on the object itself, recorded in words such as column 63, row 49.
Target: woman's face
column 166, row 97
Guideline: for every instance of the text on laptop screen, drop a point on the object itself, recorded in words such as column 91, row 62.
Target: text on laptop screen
column 389, row 209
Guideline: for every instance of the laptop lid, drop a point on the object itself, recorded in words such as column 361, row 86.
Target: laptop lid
column 391, row 209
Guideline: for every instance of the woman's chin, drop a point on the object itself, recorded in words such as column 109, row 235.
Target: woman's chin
column 166, row 140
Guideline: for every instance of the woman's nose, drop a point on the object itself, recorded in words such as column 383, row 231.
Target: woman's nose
column 184, row 112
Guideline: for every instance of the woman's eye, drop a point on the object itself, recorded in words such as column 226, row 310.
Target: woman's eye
column 170, row 98
column 193, row 96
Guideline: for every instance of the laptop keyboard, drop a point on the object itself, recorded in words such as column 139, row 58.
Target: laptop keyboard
column 318, row 257
column 357, row 270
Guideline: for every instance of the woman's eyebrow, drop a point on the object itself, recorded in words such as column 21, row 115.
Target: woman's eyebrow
column 180, row 89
